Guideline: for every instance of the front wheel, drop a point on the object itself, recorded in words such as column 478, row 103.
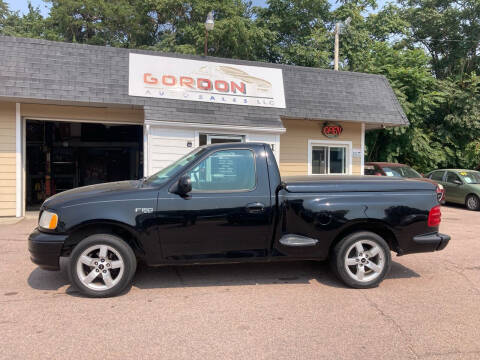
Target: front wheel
column 472, row 202
column 361, row 260
column 102, row 265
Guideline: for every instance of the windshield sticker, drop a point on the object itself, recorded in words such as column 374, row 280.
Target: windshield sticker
column 467, row 180
column 389, row 173
column 463, row 173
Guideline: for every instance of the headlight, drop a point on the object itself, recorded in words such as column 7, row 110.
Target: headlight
column 48, row 220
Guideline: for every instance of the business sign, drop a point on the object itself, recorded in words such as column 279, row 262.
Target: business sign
column 194, row 80
column 332, row 130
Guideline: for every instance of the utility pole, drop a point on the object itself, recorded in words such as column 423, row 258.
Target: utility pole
column 337, row 41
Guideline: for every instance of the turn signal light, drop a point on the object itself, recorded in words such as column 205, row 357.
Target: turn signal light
column 434, row 216
column 48, row 220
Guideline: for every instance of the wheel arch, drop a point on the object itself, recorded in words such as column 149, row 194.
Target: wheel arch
column 377, row 227
column 122, row 230
column 471, row 193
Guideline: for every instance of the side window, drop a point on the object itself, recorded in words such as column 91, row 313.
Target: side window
column 437, row 176
column 369, row 170
column 451, row 177
column 225, row 170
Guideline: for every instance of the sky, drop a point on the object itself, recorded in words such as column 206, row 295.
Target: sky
column 22, row 5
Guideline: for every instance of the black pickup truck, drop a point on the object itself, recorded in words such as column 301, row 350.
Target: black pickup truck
column 227, row 203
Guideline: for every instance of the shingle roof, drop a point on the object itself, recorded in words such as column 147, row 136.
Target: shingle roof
column 35, row 70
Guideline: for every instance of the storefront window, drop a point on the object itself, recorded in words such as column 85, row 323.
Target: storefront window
column 328, row 159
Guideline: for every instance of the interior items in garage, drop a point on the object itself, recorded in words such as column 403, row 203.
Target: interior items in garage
column 66, row 155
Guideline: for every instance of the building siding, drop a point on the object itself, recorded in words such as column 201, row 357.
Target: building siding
column 7, row 159
column 166, row 145
column 294, row 144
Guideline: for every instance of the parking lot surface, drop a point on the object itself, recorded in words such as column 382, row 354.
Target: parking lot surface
column 427, row 308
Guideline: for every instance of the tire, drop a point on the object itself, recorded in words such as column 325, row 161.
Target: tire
column 472, row 202
column 368, row 265
column 97, row 275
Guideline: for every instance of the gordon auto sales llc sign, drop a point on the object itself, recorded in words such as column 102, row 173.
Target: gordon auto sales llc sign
column 194, row 80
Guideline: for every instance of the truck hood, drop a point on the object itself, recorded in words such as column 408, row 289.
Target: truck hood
column 98, row 192
column 321, row 183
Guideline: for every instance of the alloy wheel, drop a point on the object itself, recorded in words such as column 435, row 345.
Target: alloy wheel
column 100, row 267
column 472, row 202
column 364, row 260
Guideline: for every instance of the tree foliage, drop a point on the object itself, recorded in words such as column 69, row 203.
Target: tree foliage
column 428, row 49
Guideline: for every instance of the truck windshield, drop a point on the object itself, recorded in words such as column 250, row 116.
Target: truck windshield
column 401, row 171
column 163, row 175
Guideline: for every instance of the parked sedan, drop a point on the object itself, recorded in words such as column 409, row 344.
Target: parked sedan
column 461, row 186
column 401, row 170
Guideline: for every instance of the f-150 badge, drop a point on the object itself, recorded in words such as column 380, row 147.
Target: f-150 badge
column 144, row 210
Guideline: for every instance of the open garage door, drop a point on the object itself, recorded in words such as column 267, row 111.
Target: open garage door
column 64, row 155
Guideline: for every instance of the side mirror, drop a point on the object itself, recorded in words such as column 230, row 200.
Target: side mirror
column 184, row 185
column 458, row 182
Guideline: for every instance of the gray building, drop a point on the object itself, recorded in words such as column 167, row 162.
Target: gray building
column 73, row 115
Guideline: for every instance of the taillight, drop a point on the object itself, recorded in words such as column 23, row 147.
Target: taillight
column 434, row 216
column 440, row 192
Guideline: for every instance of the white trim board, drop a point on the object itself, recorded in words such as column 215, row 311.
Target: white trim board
column 348, row 144
column 18, row 162
column 104, row 122
column 362, row 146
column 216, row 126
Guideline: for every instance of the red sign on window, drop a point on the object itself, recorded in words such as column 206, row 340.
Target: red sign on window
column 331, row 130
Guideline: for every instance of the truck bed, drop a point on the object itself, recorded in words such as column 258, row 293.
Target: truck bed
column 352, row 183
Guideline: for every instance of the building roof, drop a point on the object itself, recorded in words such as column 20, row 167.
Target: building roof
column 33, row 70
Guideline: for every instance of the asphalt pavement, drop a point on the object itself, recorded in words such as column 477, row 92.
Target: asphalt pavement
column 427, row 308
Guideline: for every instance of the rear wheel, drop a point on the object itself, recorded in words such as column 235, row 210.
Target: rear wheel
column 102, row 265
column 472, row 202
column 361, row 259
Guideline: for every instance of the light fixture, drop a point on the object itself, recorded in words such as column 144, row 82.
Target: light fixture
column 209, row 24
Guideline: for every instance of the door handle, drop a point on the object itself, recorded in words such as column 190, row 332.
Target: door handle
column 255, row 208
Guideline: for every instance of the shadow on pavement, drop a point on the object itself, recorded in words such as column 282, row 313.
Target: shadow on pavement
column 398, row 271
column 47, row 280
column 295, row 272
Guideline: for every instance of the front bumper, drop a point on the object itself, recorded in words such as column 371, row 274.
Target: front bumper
column 429, row 242
column 45, row 249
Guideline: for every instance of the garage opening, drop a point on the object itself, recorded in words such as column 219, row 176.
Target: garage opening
column 65, row 155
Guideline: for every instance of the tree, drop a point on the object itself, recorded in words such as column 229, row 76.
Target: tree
column 31, row 25
column 180, row 27
column 420, row 96
column 301, row 32
column 449, row 30
column 458, row 122
column 120, row 23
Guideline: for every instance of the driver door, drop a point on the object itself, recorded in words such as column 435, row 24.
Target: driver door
column 227, row 213
column 453, row 189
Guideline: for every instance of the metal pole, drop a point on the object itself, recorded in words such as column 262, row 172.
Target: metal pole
column 337, row 35
column 206, row 41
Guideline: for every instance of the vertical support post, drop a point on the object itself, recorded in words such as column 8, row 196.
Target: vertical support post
column 206, row 42
column 362, row 146
column 337, row 35
column 18, row 162
column 146, row 150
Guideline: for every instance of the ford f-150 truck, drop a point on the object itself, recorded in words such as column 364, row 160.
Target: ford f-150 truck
column 228, row 203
